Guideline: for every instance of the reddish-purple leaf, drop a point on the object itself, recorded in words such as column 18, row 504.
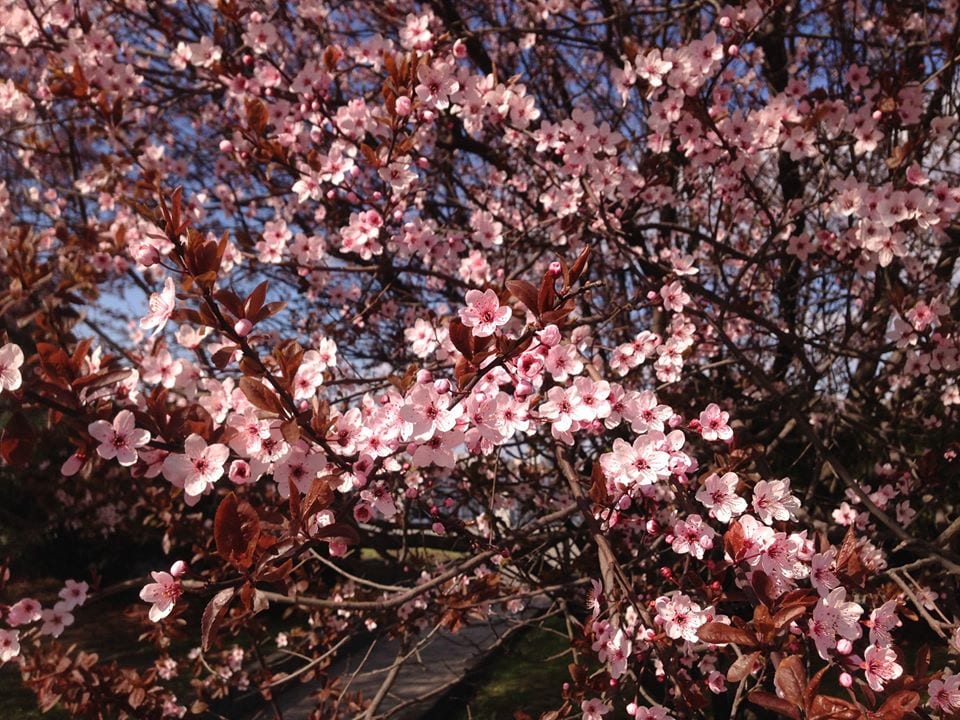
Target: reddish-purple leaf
column 236, row 531
column 260, row 396
column 213, row 615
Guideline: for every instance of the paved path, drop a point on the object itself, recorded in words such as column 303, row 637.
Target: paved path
column 439, row 662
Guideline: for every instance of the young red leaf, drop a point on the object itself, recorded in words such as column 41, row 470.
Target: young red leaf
column 580, row 265
column 791, row 679
column 213, row 615
column 721, row 633
column 462, row 338
column 260, row 396
column 18, row 440
column 772, row 702
column 526, row 293
column 743, row 666
column 236, row 531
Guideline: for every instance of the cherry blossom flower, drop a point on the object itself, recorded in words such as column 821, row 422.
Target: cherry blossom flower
column 25, row 610
column 422, row 338
column 834, row 615
column 74, row 593
column 681, row 618
column 437, row 84
column 162, row 593
column 119, row 439
column 56, row 619
column 198, row 468
column 11, row 358
column 882, row 620
column 713, row 424
column 618, row 653
column 822, row 575
column 772, row 501
column 639, row 712
column 484, row 313
column 692, row 536
column 428, row 411
column 641, row 463
column 719, row 495
column 945, row 694
column 9, row 645
column 880, row 666
column 594, row 709
column 161, row 305
column 674, row 297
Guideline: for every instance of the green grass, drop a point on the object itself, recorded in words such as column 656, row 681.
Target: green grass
column 19, row 703
column 519, row 677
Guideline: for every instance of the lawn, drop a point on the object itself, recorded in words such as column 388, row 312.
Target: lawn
column 521, row 676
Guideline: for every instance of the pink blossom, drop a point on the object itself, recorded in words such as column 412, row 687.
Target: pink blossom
column 11, row 358
column 437, row 84
column 719, row 495
column 161, row 305
column 945, row 694
column 74, row 593
column 822, row 575
column 618, row 653
column 692, row 536
column 9, row 645
column 680, row 617
column 773, row 501
column 833, row 615
column 880, row 666
column 55, row 619
column 882, row 620
column 427, row 412
column 163, row 593
column 25, row 610
column 594, row 709
column 641, row 463
column 656, row 712
column 119, row 439
column 713, row 424
column 198, row 468
column 484, row 313
column 674, row 298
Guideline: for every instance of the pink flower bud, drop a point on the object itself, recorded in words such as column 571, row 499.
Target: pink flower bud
column 555, row 268
column 844, row 646
column 73, row 464
column 178, row 568
column 846, row 680
column 226, row 146
column 438, row 528
column 459, row 49
column 243, row 327
column 733, row 51
column 239, row 472
column 442, row 386
column 549, row 336
column 403, row 106
column 524, row 390
column 424, row 376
